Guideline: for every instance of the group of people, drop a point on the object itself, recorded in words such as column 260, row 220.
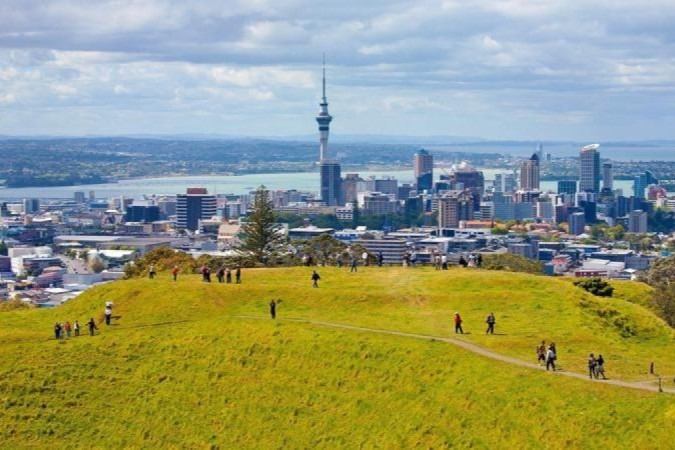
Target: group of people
column 474, row 260
column 596, row 367
column 66, row 330
column 547, row 357
column 224, row 274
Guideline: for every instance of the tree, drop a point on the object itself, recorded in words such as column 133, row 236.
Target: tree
column 3, row 248
column 661, row 276
column 596, row 286
column 97, row 265
column 260, row 234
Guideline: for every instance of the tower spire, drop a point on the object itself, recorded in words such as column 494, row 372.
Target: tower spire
column 324, row 77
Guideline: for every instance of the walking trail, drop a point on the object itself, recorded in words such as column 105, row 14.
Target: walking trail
column 646, row 386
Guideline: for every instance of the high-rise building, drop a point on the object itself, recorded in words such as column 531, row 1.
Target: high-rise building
column 567, row 187
column 330, row 183
column 453, row 207
column 607, row 177
column 423, row 165
column 577, row 223
column 348, row 187
column 505, row 182
column 329, row 169
column 31, row 205
column 79, row 197
column 194, row 206
column 142, row 213
column 529, row 174
column 589, row 168
column 641, row 182
column 637, row 221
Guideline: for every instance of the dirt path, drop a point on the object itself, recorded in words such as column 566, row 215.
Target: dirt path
column 646, row 386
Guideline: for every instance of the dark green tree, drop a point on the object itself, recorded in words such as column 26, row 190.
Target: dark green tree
column 596, row 286
column 356, row 215
column 661, row 276
column 260, row 236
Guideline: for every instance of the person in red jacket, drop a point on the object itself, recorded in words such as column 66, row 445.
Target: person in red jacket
column 458, row 323
column 174, row 272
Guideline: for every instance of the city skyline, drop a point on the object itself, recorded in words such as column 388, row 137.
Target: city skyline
column 498, row 70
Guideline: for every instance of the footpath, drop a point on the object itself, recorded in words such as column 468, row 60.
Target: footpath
column 646, row 386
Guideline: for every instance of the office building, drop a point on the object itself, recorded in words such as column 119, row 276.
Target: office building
column 193, row 207
column 589, row 169
column 423, row 166
column 607, row 177
column 577, row 223
column 641, row 182
column 529, row 174
column 505, row 182
column 330, row 183
column 567, row 187
column 637, row 221
column 31, row 205
column 453, row 207
column 142, row 213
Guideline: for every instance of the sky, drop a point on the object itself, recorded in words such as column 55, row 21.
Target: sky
column 583, row 70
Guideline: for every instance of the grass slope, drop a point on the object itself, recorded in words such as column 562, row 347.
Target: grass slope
column 179, row 369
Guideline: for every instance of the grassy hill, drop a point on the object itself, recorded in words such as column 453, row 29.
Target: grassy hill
column 180, row 367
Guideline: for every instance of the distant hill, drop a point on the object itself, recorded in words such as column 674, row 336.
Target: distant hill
column 192, row 364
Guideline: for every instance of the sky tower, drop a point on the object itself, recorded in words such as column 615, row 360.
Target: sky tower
column 323, row 118
column 330, row 170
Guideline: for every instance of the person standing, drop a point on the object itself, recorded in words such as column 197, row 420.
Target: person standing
column 273, row 309
column 237, row 275
column 380, row 259
column 204, row 271
column 490, row 324
column 352, row 265
column 76, row 328
column 437, row 260
column 221, row 275
column 174, row 272
column 68, row 329
column 57, row 330
column 315, row 279
column 108, row 315
column 151, row 271
column 551, row 357
column 600, row 367
column 479, row 260
column 228, row 276
column 444, row 262
column 541, row 353
column 92, row 326
column 592, row 365
column 365, row 258
column 458, row 323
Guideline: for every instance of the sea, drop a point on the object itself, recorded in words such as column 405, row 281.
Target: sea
column 224, row 184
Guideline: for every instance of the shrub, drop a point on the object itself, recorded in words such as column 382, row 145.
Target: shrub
column 595, row 286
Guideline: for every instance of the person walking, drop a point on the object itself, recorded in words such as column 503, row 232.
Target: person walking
column 551, row 357
column 315, row 279
column 600, row 367
column 592, row 365
column 352, row 265
column 458, row 323
column 204, row 271
column 228, row 276
column 221, row 275
column 174, row 272
column 76, row 328
column 108, row 315
column 438, row 262
column 57, row 330
column 444, row 262
column 273, row 309
column 151, row 271
column 68, row 329
column 490, row 324
column 92, row 326
column 237, row 275
column 541, row 353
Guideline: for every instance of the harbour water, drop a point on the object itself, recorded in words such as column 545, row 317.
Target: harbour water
column 235, row 184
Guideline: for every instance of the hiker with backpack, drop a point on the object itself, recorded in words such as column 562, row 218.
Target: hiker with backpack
column 490, row 324
column 551, row 357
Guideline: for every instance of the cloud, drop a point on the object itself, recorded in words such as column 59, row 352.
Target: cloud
column 432, row 64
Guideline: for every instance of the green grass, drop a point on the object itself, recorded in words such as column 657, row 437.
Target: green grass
column 180, row 369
